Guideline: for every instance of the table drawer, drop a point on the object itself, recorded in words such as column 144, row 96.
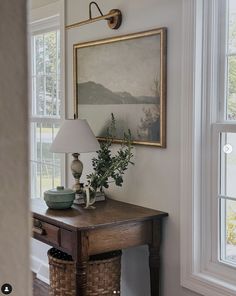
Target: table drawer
column 46, row 232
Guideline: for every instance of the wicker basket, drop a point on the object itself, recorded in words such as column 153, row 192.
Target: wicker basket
column 103, row 275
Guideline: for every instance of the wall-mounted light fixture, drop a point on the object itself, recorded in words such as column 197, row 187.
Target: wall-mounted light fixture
column 113, row 18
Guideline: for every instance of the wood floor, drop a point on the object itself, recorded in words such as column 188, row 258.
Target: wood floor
column 40, row 288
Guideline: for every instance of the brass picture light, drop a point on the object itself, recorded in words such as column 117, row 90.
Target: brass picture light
column 113, row 18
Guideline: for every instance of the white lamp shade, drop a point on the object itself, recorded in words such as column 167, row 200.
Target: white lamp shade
column 75, row 136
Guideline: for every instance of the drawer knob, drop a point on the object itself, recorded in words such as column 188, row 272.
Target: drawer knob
column 38, row 227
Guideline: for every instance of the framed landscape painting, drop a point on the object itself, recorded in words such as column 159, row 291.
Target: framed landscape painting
column 126, row 76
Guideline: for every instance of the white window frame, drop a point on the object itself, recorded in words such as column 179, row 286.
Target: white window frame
column 42, row 20
column 201, row 270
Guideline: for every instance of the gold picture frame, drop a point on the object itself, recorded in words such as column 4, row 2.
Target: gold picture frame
column 126, row 76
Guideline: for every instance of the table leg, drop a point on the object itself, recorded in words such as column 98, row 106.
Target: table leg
column 81, row 258
column 81, row 278
column 154, row 258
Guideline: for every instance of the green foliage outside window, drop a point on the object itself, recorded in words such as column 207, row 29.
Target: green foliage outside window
column 231, row 226
column 231, row 103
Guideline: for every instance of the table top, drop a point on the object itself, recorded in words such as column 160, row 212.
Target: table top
column 107, row 212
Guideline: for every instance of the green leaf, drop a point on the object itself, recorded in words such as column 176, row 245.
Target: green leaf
column 107, row 166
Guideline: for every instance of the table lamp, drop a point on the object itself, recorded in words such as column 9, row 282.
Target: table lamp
column 75, row 136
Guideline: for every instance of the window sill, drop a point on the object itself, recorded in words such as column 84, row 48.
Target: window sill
column 208, row 285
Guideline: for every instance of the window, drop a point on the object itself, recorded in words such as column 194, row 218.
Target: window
column 208, row 153
column 46, row 105
column 227, row 139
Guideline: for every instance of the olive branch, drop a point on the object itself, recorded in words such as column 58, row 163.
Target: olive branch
column 107, row 167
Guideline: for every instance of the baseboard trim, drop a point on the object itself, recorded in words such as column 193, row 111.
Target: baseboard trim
column 41, row 269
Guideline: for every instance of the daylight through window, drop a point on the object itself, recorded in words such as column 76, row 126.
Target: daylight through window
column 46, row 106
column 227, row 136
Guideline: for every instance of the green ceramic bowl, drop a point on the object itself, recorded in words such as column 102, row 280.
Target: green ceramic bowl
column 59, row 198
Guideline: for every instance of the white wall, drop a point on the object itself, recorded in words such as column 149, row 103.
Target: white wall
column 14, row 210
column 154, row 181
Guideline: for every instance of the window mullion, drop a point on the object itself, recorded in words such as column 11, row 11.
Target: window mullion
column 225, row 197
column 41, row 159
column 46, row 119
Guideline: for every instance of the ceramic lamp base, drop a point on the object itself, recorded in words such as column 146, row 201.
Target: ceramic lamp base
column 76, row 169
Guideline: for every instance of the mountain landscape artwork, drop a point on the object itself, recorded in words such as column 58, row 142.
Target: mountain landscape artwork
column 126, row 77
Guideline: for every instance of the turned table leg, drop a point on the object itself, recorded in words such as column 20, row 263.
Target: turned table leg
column 154, row 258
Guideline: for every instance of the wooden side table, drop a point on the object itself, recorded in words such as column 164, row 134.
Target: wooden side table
column 113, row 225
